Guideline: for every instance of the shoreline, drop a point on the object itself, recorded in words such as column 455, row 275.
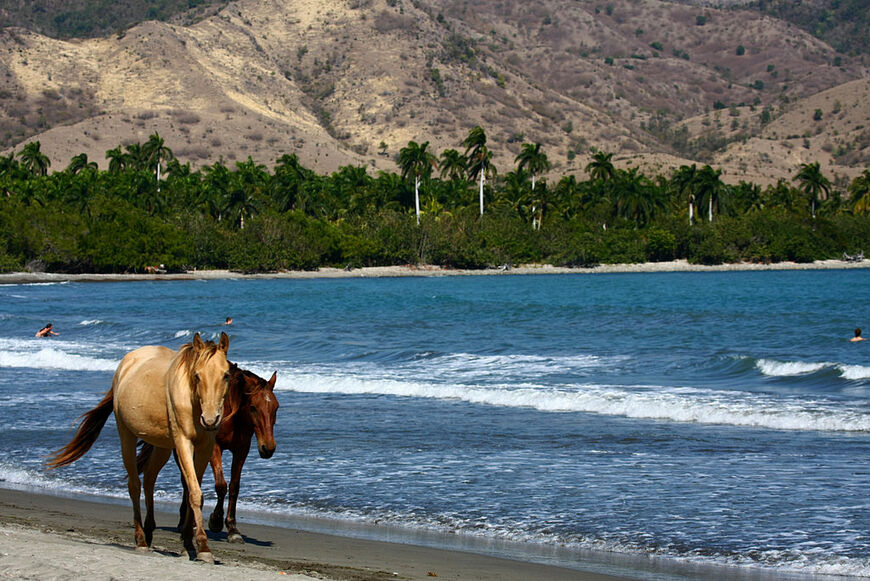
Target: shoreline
column 71, row 537
column 430, row 271
column 54, row 536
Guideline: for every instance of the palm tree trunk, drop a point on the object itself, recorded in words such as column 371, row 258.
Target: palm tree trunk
column 535, row 225
column 417, row 197
column 710, row 211
column 691, row 213
column 481, row 191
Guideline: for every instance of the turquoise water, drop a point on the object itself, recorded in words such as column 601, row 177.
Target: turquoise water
column 696, row 417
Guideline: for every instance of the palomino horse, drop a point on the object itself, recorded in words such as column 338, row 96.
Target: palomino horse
column 249, row 409
column 171, row 400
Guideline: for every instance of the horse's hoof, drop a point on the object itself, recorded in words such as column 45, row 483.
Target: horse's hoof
column 216, row 525
column 143, row 549
column 205, row 558
column 235, row 538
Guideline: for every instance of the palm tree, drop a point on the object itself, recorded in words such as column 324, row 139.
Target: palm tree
column 532, row 157
column 137, row 158
column 415, row 160
column 289, row 175
column 601, row 166
column 537, row 162
column 155, row 151
column 813, row 184
column 215, row 189
column 637, row 198
column 566, row 195
column 453, row 164
column 709, row 188
column 251, row 179
column 749, row 197
column 80, row 162
column 684, row 182
column 33, row 160
column 479, row 157
column 513, row 192
column 859, row 193
column 117, row 160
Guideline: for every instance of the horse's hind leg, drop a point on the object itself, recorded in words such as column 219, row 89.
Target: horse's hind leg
column 149, row 477
column 216, row 520
column 134, row 487
column 233, row 534
column 183, row 508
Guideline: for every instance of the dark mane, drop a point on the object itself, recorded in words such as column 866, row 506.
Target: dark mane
column 235, row 393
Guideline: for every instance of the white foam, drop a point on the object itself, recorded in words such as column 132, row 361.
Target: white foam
column 643, row 402
column 182, row 333
column 854, row 372
column 530, row 364
column 50, row 358
column 89, row 322
column 775, row 368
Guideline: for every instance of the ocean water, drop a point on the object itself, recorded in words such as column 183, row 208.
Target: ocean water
column 693, row 418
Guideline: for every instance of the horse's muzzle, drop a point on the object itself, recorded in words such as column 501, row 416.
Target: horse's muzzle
column 210, row 426
column 265, row 452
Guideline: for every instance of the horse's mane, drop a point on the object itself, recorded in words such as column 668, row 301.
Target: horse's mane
column 234, row 393
column 237, row 394
column 189, row 358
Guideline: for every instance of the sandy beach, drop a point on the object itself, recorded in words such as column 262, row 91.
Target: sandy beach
column 428, row 270
column 57, row 538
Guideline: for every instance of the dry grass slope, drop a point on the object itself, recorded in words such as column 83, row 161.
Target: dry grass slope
column 341, row 82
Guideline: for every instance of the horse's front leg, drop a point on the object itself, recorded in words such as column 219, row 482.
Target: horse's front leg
column 216, row 520
column 233, row 534
column 193, row 462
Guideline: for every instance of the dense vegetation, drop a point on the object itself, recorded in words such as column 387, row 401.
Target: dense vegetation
column 454, row 210
column 844, row 24
column 841, row 23
column 91, row 18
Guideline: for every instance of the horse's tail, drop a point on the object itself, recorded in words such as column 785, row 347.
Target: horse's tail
column 144, row 454
column 92, row 422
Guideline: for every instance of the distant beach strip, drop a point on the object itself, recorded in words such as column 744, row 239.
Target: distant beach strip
column 430, row 270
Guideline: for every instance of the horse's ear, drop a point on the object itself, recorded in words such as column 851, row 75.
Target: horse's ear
column 224, row 344
column 197, row 341
column 271, row 383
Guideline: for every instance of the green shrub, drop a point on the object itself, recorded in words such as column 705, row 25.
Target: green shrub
column 660, row 245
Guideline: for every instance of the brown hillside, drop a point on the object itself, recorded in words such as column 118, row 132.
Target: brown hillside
column 333, row 80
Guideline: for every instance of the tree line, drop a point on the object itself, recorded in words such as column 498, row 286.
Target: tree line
column 454, row 209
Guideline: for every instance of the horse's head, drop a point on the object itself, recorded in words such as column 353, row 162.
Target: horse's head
column 209, row 376
column 263, row 408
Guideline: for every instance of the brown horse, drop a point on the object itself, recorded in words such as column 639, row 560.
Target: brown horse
column 171, row 400
column 249, row 409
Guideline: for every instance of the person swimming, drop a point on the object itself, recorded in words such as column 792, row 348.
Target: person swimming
column 857, row 336
column 46, row 331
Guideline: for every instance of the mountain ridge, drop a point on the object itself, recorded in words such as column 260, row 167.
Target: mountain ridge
column 352, row 82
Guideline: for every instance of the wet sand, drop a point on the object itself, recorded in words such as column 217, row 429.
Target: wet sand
column 55, row 537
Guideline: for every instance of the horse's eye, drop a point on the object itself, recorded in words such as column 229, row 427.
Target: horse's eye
column 227, row 376
column 253, row 410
